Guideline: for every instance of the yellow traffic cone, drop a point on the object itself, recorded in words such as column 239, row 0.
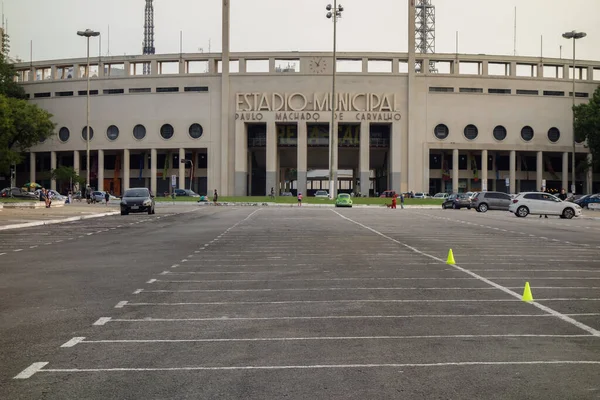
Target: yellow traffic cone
column 450, row 260
column 527, row 296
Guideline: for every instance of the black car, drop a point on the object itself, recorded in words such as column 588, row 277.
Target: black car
column 457, row 201
column 137, row 200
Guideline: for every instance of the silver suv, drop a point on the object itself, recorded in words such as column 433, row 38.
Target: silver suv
column 484, row 201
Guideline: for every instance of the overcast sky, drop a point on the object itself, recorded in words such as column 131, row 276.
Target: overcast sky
column 484, row 26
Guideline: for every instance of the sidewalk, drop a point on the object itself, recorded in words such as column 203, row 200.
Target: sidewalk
column 14, row 218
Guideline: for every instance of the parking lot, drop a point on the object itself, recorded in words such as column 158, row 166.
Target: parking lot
column 247, row 302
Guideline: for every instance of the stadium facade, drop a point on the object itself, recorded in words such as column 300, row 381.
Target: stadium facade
column 249, row 122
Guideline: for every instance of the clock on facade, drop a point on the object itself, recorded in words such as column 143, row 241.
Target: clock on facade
column 317, row 65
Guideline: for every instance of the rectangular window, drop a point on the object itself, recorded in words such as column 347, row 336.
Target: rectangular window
column 435, row 161
column 167, row 89
column 579, row 94
column 196, row 89
column 553, row 93
column 140, row 90
column 84, row 92
column 470, row 90
column 113, row 91
column 441, row 89
column 63, row 94
column 529, row 92
column 39, row 95
column 499, row 91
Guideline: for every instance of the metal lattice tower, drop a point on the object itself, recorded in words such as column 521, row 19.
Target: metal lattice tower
column 148, row 45
column 425, row 30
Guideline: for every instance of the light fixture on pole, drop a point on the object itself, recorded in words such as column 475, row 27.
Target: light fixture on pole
column 183, row 161
column 573, row 35
column 333, row 12
column 88, row 33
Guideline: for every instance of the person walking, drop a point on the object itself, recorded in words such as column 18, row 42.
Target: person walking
column 562, row 195
column 402, row 201
column 215, row 197
column 394, row 201
column 106, row 197
column 272, row 195
column 299, row 199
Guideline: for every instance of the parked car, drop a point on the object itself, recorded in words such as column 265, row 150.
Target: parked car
column 442, row 196
column 457, row 201
column 420, row 195
column 18, row 193
column 137, row 200
column 185, row 192
column 388, row 193
column 483, row 201
column 343, row 200
column 585, row 201
column 322, row 193
column 538, row 203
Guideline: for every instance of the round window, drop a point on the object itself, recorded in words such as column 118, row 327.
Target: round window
column 166, row 131
column 553, row 135
column 196, row 131
column 139, row 132
column 63, row 134
column 527, row 133
column 500, row 133
column 112, row 132
column 84, row 133
column 441, row 131
column 471, row 132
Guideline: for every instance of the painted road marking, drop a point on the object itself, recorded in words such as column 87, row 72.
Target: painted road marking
column 138, row 291
column 73, row 341
column 1, row 254
column 17, row 250
column 121, row 304
column 174, row 265
column 37, row 367
column 352, row 288
column 549, row 310
column 101, row 321
column 151, row 281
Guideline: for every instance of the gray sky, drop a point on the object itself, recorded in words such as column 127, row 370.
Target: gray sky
column 485, row 26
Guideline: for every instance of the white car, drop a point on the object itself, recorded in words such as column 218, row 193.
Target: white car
column 539, row 203
column 442, row 196
column 322, row 193
column 420, row 195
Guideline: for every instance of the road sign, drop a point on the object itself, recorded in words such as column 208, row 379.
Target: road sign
column 573, row 189
column 507, row 181
column 173, row 180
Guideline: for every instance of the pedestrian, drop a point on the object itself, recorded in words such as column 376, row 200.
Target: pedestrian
column 215, row 197
column 106, row 197
column 563, row 194
column 70, row 197
column 272, row 194
column 394, row 201
column 402, row 201
column 299, row 199
column 543, row 191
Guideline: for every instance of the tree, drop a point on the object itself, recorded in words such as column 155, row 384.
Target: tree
column 22, row 125
column 587, row 125
column 67, row 174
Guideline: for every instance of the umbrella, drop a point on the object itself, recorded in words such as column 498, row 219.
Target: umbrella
column 32, row 185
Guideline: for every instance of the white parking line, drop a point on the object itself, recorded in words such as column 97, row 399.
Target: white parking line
column 1, row 254
column 17, row 250
column 121, row 304
column 151, row 281
column 31, row 370
column 549, row 310
column 138, row 291
column 102, row 321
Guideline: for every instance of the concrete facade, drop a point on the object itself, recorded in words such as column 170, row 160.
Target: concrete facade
column 262, row 118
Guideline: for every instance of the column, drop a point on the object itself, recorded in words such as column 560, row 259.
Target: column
column 52, row 168
column 539, row 170
column 100, row 170
column 484, row 170
column 153, row 182
column 485, row 68
column 565, row 171
column 364, row 159
column 455, row 156
column 271, row 179
column 589, row 175
column 241, row 159
column 302, row 154
column 126, row 169
column 222, row 165
column 182, row 169
column 426, row 166
column 32, row 167
column 396, row 158
column 512, row 170
column 333, row 186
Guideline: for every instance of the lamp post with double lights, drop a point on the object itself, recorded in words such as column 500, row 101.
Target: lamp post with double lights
column 88, row 33
column 184, row 161
column 333, row 12
column 573, row 35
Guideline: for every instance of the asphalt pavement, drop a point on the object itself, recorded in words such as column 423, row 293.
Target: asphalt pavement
column 298, row 302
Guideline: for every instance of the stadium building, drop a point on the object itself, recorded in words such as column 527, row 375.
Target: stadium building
column 249, row 122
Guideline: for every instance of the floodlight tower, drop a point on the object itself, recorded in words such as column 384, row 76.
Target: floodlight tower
column 425, row 31
column 148, row 33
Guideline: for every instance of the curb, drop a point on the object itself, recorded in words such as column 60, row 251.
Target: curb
column 55, row 221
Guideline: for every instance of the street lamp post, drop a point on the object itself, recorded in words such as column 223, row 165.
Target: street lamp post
column 185, row 160
column 88, row 33
column 573, row 35
column 334, row 13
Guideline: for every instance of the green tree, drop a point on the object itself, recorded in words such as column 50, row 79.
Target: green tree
column 22, row 124
column 67, row 174
column 587, row 125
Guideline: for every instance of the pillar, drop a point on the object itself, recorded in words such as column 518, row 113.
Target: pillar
column 126, row 169
column 302, row 154
column 76, row 167
column 271, row 178
column 52, row 168
column 413, row 109
column 32, row 167
column 426, row 166
column 539, row 170
column 182, row 169
column 222, row 167
column 396, row 158
column 241, row 159
column 364, row 163
column 512, row 170
column 484, row 170
column 153, row 182
column 589, row 176
column 565, row 171
column 100, row 170
column 455, row 156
